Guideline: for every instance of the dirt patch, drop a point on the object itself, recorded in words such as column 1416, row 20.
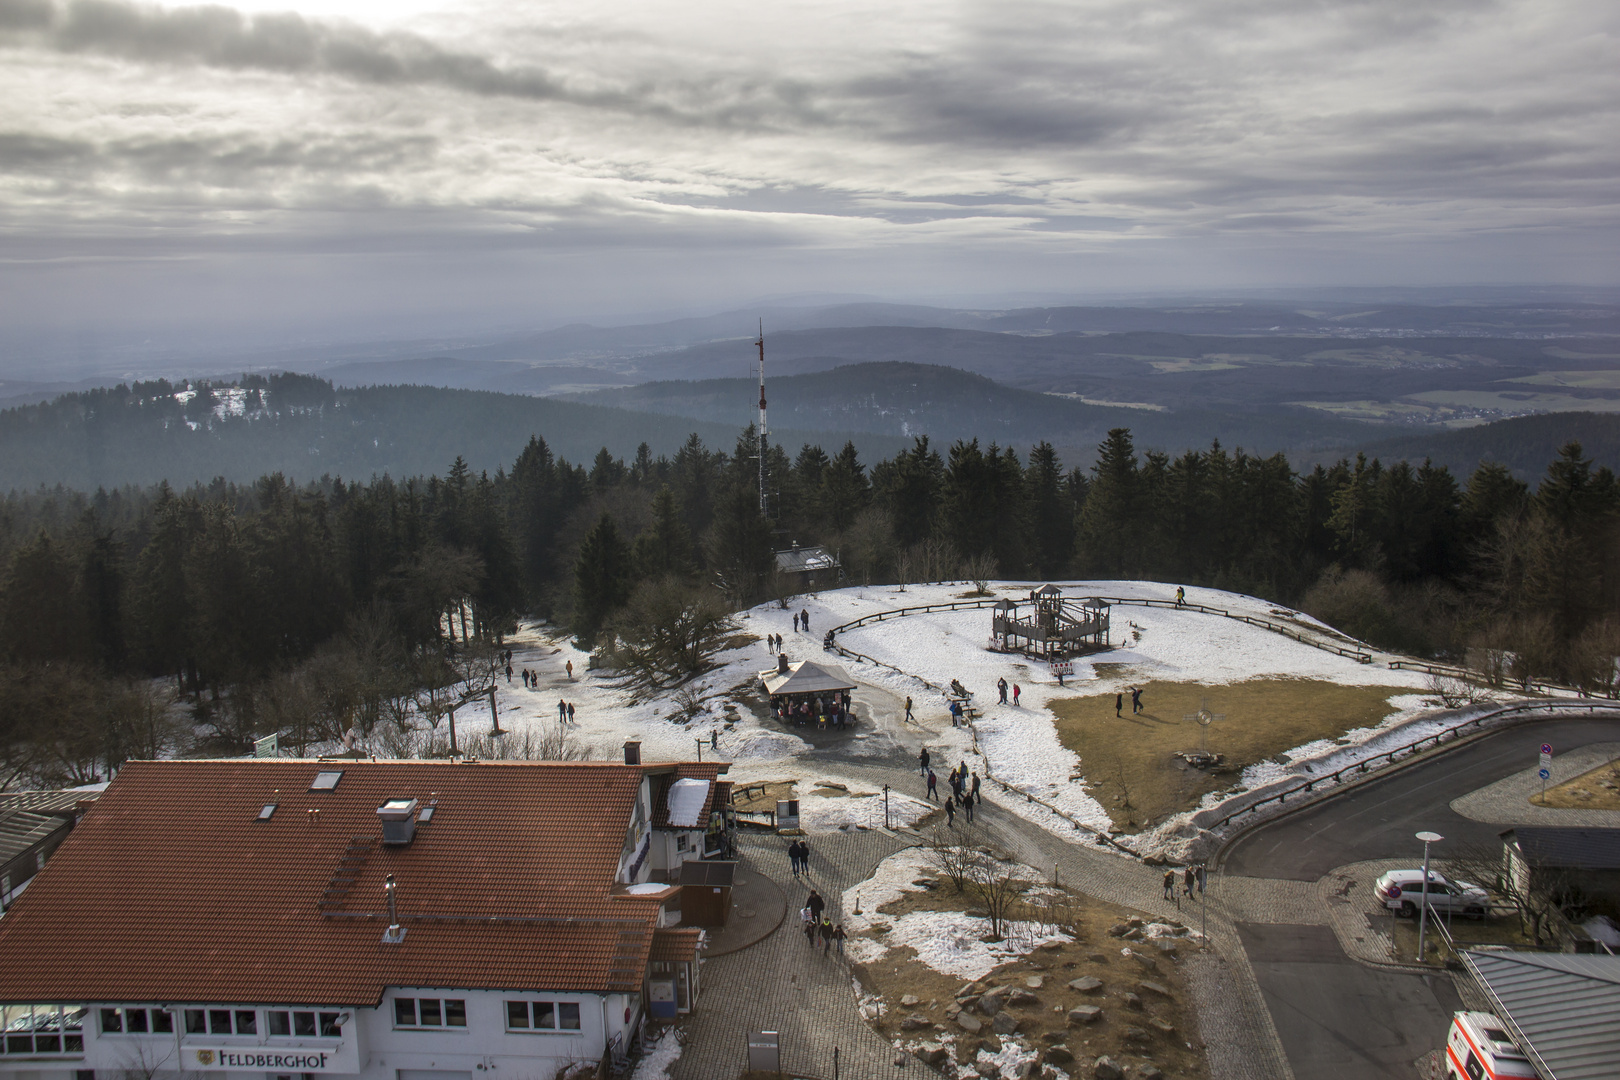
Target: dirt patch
column 762, row 795
column 1596, row 789
column 1129, row 764
column 1136, row 1026
column 1467, row 933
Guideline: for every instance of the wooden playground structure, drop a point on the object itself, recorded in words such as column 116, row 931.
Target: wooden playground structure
column 1049, row 627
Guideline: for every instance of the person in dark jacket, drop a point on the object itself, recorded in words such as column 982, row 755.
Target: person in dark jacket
column 933, row 786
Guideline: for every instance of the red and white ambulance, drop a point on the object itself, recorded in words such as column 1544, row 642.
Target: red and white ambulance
column 1478, row 1047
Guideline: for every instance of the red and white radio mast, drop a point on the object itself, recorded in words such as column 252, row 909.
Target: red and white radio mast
column 764, row 507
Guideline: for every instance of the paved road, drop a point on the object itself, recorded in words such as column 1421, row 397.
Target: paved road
column 1377, row 820
column 1338, row 1019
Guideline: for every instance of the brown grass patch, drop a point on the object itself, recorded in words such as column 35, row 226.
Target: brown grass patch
column 1093, row 952
column 1595, row 789
column 1128, row 762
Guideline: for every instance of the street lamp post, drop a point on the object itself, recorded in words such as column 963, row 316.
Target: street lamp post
column 1423, row 910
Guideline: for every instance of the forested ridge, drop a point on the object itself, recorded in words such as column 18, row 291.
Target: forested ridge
column 333, row 606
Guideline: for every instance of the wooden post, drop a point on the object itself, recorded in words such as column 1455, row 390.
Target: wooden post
column 453, row 749
column 494, row 717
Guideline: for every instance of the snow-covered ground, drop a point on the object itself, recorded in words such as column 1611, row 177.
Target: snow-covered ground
column 1021, row 742
column 950, row 942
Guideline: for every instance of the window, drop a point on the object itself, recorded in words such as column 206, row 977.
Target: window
column 220, row 1022
column 42, row 1029
column 136, row 1022
column 326, row 781
column 430, row 1012
column 542, row 1016
column 680, row 841
column 300, row 1023
column 266, row 811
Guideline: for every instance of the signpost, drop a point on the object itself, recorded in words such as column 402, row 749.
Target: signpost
column 1546, row 768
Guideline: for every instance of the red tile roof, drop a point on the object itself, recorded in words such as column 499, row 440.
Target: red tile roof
column 174, row 891
column 674, row 946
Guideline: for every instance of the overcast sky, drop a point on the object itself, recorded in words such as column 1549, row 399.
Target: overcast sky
column 320, row 167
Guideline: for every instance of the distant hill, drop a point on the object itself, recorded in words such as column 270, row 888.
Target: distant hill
column 1524, row 444
column 908, row 399
column 140, row 436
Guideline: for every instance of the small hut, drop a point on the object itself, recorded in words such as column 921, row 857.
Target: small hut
column 808, row 681
column 1049, row 627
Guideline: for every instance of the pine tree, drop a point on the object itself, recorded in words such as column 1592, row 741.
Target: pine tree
column 1051, row 513
column 602, row 578
column 665, row 548
column 1109, row 530
column 844, row 489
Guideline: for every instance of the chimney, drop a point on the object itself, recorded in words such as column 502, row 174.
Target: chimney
column 632, row 752
column 395, row 932
column 398, row 821
column 781, row 664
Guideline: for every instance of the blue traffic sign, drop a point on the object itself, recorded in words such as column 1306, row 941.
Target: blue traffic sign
column 1545, row 773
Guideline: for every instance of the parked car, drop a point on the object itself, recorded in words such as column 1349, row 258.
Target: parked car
column 1402, row 891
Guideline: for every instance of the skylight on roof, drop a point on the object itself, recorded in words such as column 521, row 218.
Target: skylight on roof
column 326, row 781
column 265, row 812
column 424, row 815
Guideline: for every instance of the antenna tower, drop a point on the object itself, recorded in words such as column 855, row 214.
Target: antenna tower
column 764, row 508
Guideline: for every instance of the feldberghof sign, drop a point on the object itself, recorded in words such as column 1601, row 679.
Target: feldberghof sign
column 262, row 1060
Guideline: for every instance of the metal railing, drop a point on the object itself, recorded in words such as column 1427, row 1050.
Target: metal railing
column 1406, row 749
column 830, row 642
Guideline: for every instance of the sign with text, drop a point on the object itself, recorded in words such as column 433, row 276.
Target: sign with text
column 268, row 1059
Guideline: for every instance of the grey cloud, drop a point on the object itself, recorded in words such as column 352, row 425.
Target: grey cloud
column 221, row 37
column 228, row 161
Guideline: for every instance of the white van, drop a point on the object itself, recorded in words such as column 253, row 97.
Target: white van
column 1478, row 1047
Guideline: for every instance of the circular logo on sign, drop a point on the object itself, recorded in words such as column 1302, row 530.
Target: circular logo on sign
column 205, row 1057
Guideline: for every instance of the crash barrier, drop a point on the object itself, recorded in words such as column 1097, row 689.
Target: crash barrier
column 830, row 642
column 1389, row 757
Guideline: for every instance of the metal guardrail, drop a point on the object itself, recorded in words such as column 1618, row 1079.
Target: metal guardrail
column 830, row 642
column 1389, row 756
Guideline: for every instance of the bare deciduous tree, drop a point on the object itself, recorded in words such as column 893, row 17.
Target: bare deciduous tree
column 980, row 569
column 954, row 853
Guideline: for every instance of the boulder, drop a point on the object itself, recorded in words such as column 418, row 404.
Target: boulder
column 1085, row 1014
column 934, row 1056
column 1167, row 946
column 992, row 1002
column 1097, row 957
column 1056, row 1055
column 968, row 1049
column 1107, row 1069
column 1119, row 929
column 1021, row 997
column 1004, row 1023
column 991, row 1044
column 1135, row 1034
column 1035, row 982
column 972, row 989
column 1145, row 960
column 969, row 1023
column 1131, row 1000
column 1088, row 984
column 1163, row 1027
column 1134, row 934
column 909, row 1001
column 1154, row 988
column 914, row 1023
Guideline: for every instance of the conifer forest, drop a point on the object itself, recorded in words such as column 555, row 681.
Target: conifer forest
column 312, row 610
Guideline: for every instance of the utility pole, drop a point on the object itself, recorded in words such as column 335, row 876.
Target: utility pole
column 764, row 507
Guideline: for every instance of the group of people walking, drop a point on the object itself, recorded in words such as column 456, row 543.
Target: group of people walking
column 964, row 787
column 531, row 679
column 801, row 621
column 818, row 925
column 1193, row 877
column 1002, row 685
column 565, row 711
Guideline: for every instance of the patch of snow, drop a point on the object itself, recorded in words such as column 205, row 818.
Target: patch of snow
column 950, row 942
column 686, row 800
column 832, row 814
column 646, row 888
column 659, row 1059
column 1010, row 1059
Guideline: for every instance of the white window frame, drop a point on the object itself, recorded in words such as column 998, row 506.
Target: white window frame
column 556, row 1006
column 444, row 1014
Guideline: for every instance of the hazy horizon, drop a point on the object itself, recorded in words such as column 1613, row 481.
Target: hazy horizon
column 331, row 170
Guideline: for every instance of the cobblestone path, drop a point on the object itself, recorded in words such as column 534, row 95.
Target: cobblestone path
column 783, row 984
